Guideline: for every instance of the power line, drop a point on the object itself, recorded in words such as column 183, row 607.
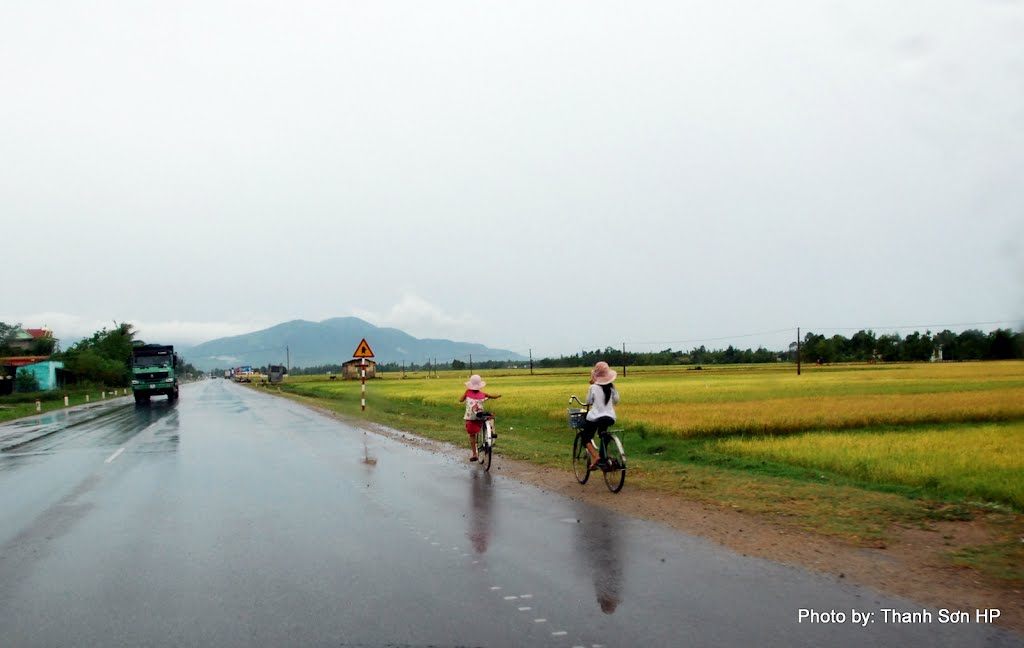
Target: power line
column 714, row 339
column 909, row 326
column 636, row 343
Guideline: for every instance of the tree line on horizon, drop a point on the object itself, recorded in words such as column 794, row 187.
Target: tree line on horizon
column 866, row 346
column 863, row 346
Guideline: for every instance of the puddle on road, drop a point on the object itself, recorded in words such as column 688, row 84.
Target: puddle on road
column 367, row 459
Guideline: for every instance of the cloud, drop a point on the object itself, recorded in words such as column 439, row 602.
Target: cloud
column 194, row 332
column 66, row 328
column 418, row 317
column 69, row 329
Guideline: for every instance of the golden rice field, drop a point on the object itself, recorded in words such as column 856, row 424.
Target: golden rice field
column 955, row 428
column 761, row 400
column 797, row 413
column 984, row 460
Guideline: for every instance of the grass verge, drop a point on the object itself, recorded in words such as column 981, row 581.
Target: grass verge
column 21, row 405
column 842, row 496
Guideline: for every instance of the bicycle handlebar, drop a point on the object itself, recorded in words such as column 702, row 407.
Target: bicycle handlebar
column 578, row 402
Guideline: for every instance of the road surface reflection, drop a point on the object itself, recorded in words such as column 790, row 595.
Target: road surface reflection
column 481, row 510
column 599, row 550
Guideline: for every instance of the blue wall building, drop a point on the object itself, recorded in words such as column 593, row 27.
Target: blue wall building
column 46, row 373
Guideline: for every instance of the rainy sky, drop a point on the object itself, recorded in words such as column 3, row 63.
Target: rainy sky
column 535, row 176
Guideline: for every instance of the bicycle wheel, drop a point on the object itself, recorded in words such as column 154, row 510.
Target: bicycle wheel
column 580, row 460
column 485, row 456
column 615, row 470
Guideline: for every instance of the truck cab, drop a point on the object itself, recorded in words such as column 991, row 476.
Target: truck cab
column 154, row 372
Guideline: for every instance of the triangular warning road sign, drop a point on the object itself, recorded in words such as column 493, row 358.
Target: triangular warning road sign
column 363, row 350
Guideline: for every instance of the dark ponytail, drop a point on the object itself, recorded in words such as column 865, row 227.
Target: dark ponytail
column 607, row 389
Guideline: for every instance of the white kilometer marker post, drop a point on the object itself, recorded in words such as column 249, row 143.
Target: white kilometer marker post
column 114, row 456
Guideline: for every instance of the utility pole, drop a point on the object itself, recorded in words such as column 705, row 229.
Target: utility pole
column 531, row 362
column 798, row 350
column 623, row 359
column 471, row 364
column 288, row 362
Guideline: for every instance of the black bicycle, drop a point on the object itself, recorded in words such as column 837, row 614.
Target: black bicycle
column 488, row 434
column 613, row 457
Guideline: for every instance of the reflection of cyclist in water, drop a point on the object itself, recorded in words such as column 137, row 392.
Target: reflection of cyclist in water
column 599, row 547
column 480, row 513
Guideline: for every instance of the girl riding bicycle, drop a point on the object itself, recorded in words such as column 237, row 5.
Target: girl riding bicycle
column 474, row 398
column 602, row 399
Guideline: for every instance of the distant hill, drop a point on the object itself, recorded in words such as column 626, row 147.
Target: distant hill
column 332, row 341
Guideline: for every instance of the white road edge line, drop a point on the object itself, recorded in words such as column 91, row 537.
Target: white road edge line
column 114, row 456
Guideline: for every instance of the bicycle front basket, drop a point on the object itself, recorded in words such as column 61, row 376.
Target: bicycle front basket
column 577, row 417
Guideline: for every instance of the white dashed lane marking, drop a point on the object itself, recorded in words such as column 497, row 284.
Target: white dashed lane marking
column 431, row 538
column 114, row 456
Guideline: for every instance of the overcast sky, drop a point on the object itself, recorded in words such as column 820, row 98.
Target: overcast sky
column 529, row 175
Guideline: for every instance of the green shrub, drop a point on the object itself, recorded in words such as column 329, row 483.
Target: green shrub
column 26, row 381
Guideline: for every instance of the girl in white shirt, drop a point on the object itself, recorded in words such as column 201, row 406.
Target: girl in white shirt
column 602, row 399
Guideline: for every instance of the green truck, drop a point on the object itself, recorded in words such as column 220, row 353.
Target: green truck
column 154, row 372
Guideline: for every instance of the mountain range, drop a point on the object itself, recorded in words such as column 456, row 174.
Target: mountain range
column 301, row 343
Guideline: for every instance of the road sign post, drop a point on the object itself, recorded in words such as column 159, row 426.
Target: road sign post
column 363, row 352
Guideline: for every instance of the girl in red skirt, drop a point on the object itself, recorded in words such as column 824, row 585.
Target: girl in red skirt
column 474, row 399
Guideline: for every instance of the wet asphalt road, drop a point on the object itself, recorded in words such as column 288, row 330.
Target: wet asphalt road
column 238, row 519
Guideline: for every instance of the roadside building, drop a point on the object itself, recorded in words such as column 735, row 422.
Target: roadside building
column 49, row 374
column 25, row 340
column 351, row 369
column 277, row 373
column 6, row 381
